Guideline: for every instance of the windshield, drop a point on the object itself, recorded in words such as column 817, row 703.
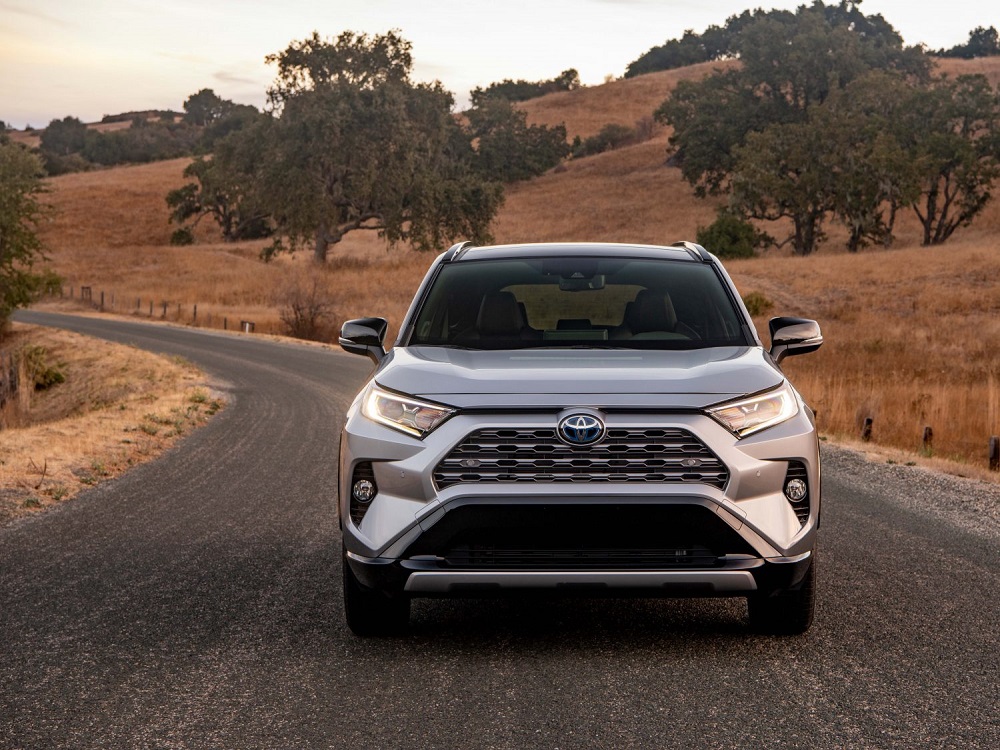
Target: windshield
column 578, row 302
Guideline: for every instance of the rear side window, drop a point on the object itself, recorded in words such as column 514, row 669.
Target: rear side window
column 567, row 301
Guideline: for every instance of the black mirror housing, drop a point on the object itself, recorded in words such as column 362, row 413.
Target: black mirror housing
column 365, row 336
column 793, row 336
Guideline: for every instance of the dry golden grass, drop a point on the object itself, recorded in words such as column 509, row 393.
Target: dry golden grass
column 912, row 338
column 29, row 138
column 118, row 406
column 627, row 195
column 586, row 110
column 953, row 68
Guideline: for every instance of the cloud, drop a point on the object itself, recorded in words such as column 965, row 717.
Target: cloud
column 37, row 15
column 193, row 59
column 224, row 76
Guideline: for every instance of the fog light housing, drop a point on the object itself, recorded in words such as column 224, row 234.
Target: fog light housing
column 796, row 490
column 363, row 491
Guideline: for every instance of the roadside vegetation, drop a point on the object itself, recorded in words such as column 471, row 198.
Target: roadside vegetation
column 22, row 211
column 87, row 410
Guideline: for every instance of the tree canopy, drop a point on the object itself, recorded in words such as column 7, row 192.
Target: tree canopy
column 21, row 211
column 854, row 133
column 521, row 90
column 355, row 144
column 351, row 143
column 983, row 42
column 726, row 41
column 508, row 149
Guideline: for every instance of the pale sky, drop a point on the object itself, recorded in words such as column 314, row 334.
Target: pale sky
column 88, row 58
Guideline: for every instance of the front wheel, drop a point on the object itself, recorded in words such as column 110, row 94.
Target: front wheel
column 371, row 612
column 786, row 612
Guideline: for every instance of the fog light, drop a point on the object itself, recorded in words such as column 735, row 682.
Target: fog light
column 363, row 491
column 795, row 490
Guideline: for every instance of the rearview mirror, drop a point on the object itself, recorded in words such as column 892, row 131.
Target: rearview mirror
column 365, row 336
column 793, row 336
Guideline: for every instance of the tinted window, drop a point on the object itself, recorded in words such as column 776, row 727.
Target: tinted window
column 619, row 302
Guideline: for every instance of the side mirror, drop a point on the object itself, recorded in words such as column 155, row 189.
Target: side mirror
column 365, row 336
column 793, row 336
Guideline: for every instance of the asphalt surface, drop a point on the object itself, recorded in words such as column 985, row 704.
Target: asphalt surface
column 195, row 603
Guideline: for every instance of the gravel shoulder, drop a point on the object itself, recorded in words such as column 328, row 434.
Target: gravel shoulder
column 968, row 504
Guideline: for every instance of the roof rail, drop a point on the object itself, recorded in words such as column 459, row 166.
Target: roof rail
column 455, row 251
column 696, row 250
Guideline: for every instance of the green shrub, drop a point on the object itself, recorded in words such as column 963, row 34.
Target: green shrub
column 611, row 136
column 182, row 236
column 39, row 371
column 731, row 236
column 757, row 304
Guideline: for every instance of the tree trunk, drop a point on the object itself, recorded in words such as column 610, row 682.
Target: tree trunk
column 805, row 234
column 854, row 241
column 889, row 238
column 931, row 216
column 322, row 244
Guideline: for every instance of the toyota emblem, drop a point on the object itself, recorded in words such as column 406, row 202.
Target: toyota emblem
column 580, row 429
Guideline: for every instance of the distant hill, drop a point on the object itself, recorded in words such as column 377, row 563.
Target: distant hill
column 893, row 320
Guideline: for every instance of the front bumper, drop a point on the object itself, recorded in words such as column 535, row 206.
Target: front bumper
column 736, row 577
column 756, row 542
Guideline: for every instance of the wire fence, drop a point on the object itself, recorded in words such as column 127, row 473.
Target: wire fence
column 175, row 312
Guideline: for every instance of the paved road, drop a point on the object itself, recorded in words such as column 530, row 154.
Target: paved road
column 195, row 602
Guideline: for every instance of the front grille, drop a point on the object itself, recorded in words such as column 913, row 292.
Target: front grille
column 668, row 455
column 551, row 536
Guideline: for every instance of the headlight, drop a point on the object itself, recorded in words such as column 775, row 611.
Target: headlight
column 403, row 413
column 750, row 415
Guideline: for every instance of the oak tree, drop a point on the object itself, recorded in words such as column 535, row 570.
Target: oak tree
column 355, row 144
column 21, row 210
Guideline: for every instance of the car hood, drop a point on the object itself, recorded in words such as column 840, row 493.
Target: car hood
column 538, row 377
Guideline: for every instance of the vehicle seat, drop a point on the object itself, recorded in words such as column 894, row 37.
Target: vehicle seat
column 653, row 311
column 650, row 315
column 501, row 316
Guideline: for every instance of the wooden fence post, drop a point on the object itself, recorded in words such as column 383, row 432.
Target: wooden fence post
column 194, row 315
column 866, row 431
column 995, row 453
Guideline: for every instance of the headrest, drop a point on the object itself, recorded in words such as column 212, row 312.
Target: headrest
column 651, row 311
column 499, row 315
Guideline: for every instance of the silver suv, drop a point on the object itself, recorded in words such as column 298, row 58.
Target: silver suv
column 587, row 419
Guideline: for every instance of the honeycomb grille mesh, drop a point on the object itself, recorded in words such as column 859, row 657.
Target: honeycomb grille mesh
column 632, row 455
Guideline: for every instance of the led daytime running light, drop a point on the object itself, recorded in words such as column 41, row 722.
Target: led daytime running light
column 403, row 413
column 750, row 415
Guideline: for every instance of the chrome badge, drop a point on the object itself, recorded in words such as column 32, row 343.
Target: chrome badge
column 580, row 429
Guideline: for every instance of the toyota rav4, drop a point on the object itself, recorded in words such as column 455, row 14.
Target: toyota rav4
column 587, row 419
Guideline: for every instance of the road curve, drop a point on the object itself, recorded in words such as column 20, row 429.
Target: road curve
column 195, row 602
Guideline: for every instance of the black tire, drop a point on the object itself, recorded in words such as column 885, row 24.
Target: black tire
column 371, row 612
column 786, row 612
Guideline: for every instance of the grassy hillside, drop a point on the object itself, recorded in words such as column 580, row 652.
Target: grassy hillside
column 913, row 337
